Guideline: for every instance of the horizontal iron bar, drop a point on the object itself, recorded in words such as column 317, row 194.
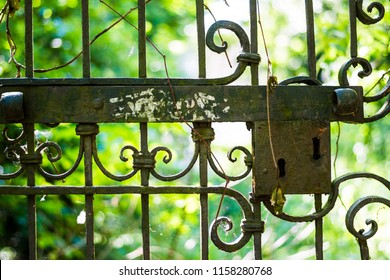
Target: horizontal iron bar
column 92, row 190
column 79, row 101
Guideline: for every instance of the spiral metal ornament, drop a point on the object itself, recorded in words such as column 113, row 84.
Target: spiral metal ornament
column 227, row 224
column 122, row 158
column 168, row 158
column 354, row 209
column 14, row 153
column 248, row 225
column 343, row 73
column 56, row 157
column 13, row 141
column 248, row 163
column 244, row 59
column 366, row 18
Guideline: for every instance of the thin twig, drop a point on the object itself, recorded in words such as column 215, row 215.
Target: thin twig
column 335, row 160
column 336, row 149
column 271, row 82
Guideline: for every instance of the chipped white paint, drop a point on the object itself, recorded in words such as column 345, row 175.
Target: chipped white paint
column 226, row 109
column 146, row 105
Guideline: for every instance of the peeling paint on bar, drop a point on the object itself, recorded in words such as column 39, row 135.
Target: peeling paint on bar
column 155, row 105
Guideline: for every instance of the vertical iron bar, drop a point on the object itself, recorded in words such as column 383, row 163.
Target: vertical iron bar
column 204, row 203
column 353, row 30
column 319, row 239
column 256, row 205
column 29, row 38
column 89, row 198
column 85, row 39
column 142, row 39
column 364, row 251
column 311, row 54
column 254, row 41
column 31, row 201
column 310, row 34
column 201, row 38
column 145, row 197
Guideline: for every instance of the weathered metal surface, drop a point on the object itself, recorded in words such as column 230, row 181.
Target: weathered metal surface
column 110, row 103
column 302, row 151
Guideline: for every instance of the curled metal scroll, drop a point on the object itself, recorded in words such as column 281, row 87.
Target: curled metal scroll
column 367, row 70
column 168, row 158
column 225, row 24
column 122, row 158
column 10, row 140
column 343, row 73
column 245, row 236
column 248, row 162
column 13, row 153
column 354, row 209
column 56, row 157
column 366, row 18
column 244, row 59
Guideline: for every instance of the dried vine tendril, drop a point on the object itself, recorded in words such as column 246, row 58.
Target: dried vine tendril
column 277, row 197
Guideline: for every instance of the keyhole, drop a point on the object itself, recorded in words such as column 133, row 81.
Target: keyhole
column 282, row 167
column 316, row 148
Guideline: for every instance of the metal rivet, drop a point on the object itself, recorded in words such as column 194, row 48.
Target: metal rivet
column 98, row 104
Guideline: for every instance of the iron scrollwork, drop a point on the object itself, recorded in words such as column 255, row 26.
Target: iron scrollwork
column 247, row 160
column 355, row 60
column 366, row 18
column 244, row 59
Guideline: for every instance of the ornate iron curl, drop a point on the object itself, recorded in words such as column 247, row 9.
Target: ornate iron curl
column 244, row 59
column 248, row 225
column 364, row 17
column 13, row 141
column 248, row 163
column 14, row 153
column 343, row 73
column 168, row 158
column 122, row 158
column 58, row 156
column 367, row 70
column 362, row 236
column 354, row 209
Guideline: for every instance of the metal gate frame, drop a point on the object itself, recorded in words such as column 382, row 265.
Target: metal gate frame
column 199, row 101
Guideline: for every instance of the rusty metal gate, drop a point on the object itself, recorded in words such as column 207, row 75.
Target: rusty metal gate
column 295, row 161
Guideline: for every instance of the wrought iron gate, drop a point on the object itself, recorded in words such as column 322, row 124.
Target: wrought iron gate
column 298, row 111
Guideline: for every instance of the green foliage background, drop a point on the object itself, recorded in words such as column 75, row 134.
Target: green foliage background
column 174, row 224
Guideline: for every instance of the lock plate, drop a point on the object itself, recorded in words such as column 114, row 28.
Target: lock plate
column 302, row 153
